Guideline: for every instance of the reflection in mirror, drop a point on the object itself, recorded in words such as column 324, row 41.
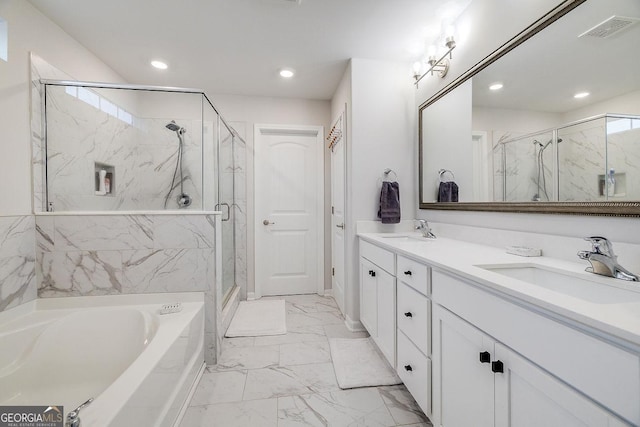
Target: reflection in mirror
column 529, row 138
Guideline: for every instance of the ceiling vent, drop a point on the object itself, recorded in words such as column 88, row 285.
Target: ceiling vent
column 609, row 27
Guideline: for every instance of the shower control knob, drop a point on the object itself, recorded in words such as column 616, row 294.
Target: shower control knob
column 267, row 222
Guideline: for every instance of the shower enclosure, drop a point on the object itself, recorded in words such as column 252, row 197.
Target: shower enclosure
column 118, row 148
column 594, row 159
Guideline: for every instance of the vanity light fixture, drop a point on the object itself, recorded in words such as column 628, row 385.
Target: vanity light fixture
column 287, row 73
column 496, row 86
column 159, row 65
column 439, row 66
column 581, row 95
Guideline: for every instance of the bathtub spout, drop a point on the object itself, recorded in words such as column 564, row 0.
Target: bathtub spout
column 73, row 419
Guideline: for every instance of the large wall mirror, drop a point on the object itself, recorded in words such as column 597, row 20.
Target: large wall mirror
column 548, row 123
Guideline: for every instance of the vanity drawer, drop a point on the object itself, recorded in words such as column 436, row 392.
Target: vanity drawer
column 414, row 369
column 413, row 274
column 599, row 369
column 380, row 257
column 414, row 317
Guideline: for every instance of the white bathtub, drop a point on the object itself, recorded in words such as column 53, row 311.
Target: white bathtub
column 138, row 365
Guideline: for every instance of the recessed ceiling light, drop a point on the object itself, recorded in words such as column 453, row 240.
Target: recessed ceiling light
column 496, row 86
column 159, row 65
column 286, row 73
column 581, row 95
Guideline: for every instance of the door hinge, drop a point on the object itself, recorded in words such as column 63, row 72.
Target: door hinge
column 333, row 271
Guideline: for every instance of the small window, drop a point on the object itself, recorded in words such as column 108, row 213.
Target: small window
column 4, row 40
column 89, row 97
column 71, row 90
column 124, row 116
column 108, row 107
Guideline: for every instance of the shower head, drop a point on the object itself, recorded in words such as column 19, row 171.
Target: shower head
column 174, row 127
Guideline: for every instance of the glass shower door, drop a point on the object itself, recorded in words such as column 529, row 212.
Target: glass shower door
column 226, row 191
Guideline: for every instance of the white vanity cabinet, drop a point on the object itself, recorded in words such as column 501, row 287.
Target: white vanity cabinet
column 481, row 378
column 414, row 329
column 378, row 297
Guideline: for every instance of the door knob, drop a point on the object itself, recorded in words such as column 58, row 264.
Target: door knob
column 408, row 368
column 340, row 226
column 408, row 314
column 407, row 273
column 267, row 222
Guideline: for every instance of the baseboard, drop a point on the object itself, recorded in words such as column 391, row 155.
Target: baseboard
column 251, row 296
column 328, row 293
column 353, row 325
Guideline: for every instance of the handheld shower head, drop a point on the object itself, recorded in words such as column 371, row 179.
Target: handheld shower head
column 173, row 126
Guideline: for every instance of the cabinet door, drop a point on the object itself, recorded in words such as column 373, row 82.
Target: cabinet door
column 527, row 396
column 463, row 385
column 386, row 338
column 369, row 296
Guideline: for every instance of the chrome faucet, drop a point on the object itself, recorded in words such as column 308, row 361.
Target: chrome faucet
column 604, row 261
column 73, row 419
column 423, row 226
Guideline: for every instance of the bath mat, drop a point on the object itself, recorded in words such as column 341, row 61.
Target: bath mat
column 258, row 318
column 358, row 364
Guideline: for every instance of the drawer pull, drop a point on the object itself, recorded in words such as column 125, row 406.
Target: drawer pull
column 408, row 368
column 408, row 314
column 407, row 273
column 497, row 367
column 485, row 357
column 372, row 273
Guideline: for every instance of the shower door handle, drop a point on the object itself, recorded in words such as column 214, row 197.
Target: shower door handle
column 219, row 205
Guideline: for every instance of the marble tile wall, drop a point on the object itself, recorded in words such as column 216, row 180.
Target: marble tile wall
column 17, row 261
column 80, row 255
column 144, row 154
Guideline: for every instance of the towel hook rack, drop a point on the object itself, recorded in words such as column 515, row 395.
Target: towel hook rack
column 390, row 171
column 443, row 171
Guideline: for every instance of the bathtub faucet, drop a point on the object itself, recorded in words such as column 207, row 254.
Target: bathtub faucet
column 73, row 419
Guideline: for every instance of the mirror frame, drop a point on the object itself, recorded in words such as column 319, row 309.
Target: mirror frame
column 625, row 209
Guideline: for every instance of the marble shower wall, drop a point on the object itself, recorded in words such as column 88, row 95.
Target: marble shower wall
column 17, row 261
column 81, row 255
column 141, row 150
column 521, row 174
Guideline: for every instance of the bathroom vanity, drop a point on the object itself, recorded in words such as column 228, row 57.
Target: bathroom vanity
column 484, row 338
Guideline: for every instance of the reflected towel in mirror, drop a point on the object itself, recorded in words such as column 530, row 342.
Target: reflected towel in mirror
column 389, row 210
column 448, row 192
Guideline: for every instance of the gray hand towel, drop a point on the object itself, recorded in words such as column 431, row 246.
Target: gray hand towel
column 389, row 210
column 448, row 192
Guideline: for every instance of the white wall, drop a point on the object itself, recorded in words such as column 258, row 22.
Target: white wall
column 486, row 25
column 246, row 111
column 381, row 131
column 30, row 31
column 624, row 104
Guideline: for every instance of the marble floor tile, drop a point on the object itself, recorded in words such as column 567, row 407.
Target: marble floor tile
column 294, row 334
column 340, row 331
column 289, row 380
column 358, row 407
column 239, row 342
column 317, row 318
column 219, row 387
column 234, row 358
column 304, row 353
column 263, row 413
column 402, row 406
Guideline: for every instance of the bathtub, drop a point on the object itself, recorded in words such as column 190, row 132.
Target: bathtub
column 138, row 365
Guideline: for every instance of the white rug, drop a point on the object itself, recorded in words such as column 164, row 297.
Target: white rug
column 258, row 318
column 358, row 364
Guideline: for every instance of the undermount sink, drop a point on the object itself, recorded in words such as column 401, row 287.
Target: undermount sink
column 587, row 287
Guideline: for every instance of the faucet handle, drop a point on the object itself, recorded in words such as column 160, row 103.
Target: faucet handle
column 601, row 245
column 73, row 419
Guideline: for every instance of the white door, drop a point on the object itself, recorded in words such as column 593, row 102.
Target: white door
column 337, row 217
column 288, row 210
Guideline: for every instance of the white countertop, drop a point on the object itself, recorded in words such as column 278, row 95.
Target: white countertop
column 617, row 319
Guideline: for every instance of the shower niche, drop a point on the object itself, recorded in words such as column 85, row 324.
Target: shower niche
column 109, row 148
column 105, row 184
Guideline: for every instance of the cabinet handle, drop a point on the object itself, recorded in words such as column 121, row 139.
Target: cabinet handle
column 497, row 367
column 407, row 273
column 408, row 368
column 485, row 357
column 408, row 314
column 372, row 273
